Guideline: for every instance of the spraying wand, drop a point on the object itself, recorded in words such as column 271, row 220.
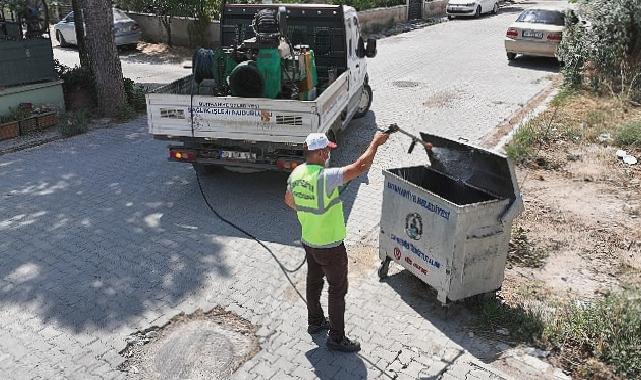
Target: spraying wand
column 393, row 128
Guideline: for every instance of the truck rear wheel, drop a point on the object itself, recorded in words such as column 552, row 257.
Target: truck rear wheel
column 365, row 102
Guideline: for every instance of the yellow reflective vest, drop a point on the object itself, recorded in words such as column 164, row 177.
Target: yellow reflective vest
column 320, row 214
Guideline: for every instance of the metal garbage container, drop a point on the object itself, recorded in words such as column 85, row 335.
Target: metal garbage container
column 449, row 222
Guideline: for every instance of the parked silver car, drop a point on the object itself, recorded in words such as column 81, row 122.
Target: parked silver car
column 126, row 31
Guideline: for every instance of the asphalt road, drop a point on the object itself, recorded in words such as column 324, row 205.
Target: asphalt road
column 102, row 236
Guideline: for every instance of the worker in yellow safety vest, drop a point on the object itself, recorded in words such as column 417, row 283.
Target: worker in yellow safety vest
column 312, row 190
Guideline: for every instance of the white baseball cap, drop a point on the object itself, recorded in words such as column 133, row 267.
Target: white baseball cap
column 316, row 141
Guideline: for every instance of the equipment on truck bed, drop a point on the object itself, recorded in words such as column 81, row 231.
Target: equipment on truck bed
column 264, row 66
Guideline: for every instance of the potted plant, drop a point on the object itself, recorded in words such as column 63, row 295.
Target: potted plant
column 8, row 127
column 26, row 122
column 45, row 116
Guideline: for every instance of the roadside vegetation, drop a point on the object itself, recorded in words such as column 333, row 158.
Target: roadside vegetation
column 80, row 97
column 597, row 111
column 591, row 340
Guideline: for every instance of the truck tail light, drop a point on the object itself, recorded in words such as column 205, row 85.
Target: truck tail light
column 182, row 155
column 512, row 33
column 554, row 37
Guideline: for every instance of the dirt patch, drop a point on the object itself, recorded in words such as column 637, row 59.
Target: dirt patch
column 585, row 217
column 163, row 49
column 441, row 99
column 363, row 259
column 202, row 345
column 405, row 84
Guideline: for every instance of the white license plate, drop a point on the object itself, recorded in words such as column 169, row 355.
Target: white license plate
column 532, row 34
column 232, row 155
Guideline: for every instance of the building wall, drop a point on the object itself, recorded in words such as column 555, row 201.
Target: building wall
column 49, row 93
column 382, row 16
column 154, row 31
column 434, row 9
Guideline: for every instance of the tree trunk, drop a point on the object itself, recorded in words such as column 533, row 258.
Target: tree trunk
column 103, row 56
column 77, row 7
column 166, row 22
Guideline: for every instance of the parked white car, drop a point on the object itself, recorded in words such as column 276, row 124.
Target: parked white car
column 474, row 8
column 126, row 31
column 537, row 32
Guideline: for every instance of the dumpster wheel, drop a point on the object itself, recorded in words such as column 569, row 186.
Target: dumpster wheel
column 383, row 269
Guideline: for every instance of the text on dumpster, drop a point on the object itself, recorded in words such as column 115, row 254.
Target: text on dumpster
column 416, row 251
column 429, row 206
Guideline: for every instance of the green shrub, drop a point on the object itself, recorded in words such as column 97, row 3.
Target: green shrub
column 135, row 95
column 524, row 141
column 76, row 77
column 522, row 324
column 607, row 54
column 17, row 113
column 608, row 329
column 125, row 113
column 629, row 134
column 75, row 123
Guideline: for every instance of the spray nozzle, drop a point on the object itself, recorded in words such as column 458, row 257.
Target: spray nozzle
column 393, row 128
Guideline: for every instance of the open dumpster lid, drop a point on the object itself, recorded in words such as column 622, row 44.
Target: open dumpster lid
column 474, row 166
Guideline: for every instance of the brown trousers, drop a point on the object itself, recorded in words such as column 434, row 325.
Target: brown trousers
column 330, row 263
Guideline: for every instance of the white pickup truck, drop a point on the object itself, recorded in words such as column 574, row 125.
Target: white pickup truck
column 263, row 133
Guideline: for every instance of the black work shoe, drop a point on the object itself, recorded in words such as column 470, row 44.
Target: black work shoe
column 315, row 329
column 344, row 345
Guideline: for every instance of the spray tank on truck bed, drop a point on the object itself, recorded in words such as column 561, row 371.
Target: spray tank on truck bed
column 264, row 66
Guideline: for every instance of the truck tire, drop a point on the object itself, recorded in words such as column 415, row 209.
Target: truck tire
column 365, row 102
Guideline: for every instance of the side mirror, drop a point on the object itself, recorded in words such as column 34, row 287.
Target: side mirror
column 370, row 51
column 360, row 49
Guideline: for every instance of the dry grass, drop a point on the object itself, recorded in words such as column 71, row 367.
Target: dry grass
column 578, row 117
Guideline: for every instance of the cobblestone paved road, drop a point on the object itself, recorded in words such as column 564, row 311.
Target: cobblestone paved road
column 101, row 236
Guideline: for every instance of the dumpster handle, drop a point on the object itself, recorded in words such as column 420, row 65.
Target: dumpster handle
column 515, row 208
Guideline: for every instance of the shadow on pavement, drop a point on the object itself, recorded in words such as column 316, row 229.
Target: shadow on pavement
column 257, row 200
column 96, row 233
column 334, row 365
column 536, row 63
column 100, row 230
column 450, row 319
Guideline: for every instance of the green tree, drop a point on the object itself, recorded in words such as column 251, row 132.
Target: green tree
column 608, row 52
